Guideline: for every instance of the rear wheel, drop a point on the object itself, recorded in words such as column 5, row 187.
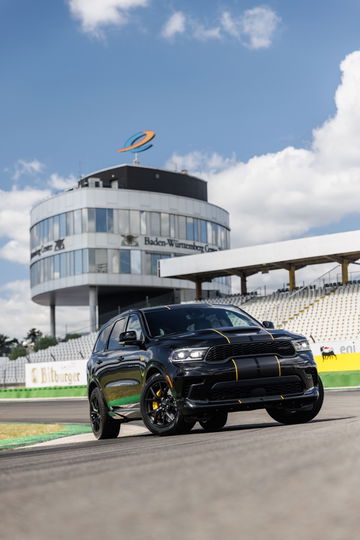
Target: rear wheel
column 159, row 409
column 103, row 426
column 214, row 422
column 285, row 415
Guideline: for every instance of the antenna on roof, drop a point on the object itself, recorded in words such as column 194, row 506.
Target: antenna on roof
column 136, row 160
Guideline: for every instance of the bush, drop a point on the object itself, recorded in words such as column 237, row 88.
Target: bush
column 71, row 336
column 17, row 352
column 45, row 342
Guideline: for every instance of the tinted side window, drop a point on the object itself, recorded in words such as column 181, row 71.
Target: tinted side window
column 114, row 336
column 102, row 339
column 134, row 324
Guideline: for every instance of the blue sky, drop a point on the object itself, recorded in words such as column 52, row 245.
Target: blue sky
column 219, row 81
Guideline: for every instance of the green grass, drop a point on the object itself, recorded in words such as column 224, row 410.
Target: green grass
column 33, row 434
column 334, row 379
column 51, row 391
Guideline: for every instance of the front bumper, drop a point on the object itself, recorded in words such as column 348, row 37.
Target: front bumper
column 196, row 408
column 228, row 387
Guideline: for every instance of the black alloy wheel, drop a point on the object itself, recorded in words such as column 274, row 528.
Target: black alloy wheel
column 285, row 415
column 159, row 409
column 103, row 426
column 214, row 422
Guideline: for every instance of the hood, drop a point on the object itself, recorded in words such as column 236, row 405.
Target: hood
column 215, row 336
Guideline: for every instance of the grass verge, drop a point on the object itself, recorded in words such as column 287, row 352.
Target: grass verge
column 50, row 391
column 15, row 435
column 334, row 379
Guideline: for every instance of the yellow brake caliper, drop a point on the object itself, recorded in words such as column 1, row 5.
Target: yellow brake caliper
column 155, row 404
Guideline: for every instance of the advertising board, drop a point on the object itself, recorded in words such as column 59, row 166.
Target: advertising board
column 44, row 374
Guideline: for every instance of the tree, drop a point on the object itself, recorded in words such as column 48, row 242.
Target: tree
column 33, row 335
column 17, row 352
column 6, row 344
column 45, row 342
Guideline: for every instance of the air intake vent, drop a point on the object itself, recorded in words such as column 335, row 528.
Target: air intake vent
column 221, row 353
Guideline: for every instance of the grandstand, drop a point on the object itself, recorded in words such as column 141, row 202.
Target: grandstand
column 327, row 313
column 73, row 349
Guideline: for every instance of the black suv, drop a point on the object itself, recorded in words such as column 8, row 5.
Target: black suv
column 172, row 366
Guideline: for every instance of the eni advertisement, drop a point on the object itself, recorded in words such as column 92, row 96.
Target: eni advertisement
column 337, row 355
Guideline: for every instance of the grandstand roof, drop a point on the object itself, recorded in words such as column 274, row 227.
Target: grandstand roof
column 265, row 257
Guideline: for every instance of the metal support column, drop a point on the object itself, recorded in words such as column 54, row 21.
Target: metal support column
column 93, row 308
column 292, row 282
column 345, row 271
column 198, row 290
column 243, row 284
column 52, row 320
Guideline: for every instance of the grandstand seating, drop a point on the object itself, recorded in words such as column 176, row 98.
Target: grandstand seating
column 330, row 313
column 74, row 349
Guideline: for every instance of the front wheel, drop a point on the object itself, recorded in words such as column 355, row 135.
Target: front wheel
column 103, row 426
column 159, row 409
column 285, row 415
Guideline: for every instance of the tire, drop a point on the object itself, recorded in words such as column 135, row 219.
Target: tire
column 214, row 422
column 103, row 426
column 159, row 409
column 288, row 416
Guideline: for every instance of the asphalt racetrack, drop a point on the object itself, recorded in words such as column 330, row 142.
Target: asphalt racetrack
column 255, row 479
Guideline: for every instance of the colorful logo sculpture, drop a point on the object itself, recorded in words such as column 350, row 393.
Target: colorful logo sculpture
column 138, row 142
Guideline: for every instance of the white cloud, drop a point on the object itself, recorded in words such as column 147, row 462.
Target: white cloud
column 198, row 162
column 95, row 14
column 176, row 24
column 255, row 28
column 18, row 313
column 15, row 208
column 258, row 26
column 60, row 183
column 282, row 195
column 230, row 25
column 27, row 168
column 202, row 33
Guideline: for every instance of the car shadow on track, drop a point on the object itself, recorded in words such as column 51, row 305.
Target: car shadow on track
column 247, row 427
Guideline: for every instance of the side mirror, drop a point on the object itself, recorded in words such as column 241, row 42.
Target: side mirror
column 128, row 338
column 268, row 324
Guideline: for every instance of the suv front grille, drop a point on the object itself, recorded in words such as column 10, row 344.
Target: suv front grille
column 273, row 386
column 279, row 347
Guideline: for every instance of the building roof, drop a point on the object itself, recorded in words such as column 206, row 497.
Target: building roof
column 150, row 179
column 265, row 257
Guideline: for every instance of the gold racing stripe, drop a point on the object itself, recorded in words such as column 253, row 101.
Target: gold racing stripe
column 279, row 365
column 167, row 307
column 272, row 337
column 236, row 369
column 217, row 331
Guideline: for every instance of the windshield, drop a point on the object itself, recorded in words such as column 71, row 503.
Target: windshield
column 167, row 321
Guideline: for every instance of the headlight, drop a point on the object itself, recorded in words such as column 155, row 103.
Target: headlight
column 188, row 355
column 301, row 345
